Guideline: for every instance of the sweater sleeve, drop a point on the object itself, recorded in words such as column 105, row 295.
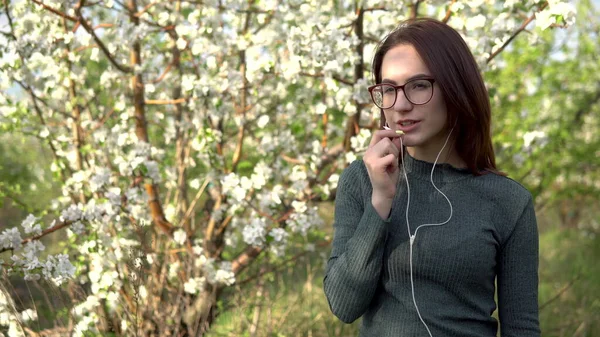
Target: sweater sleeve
column 518, row 278
column 353, row 270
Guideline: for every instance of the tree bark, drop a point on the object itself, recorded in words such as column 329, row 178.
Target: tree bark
column 141, row 128
column 353, row 123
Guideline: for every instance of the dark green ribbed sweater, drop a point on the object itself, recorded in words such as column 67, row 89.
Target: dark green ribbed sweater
column 492, row 236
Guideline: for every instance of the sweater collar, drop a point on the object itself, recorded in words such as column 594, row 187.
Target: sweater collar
column 443, row 172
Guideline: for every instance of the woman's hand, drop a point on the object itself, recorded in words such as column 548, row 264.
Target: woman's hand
column 381, row 160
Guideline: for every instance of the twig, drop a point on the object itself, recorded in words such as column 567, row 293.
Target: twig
column 145, row 9
column 55, row 11
column 448, row 12
column 91, row 31
column 272, row 270
column 190, row 209
column 374, row 9
column 162, row 76
column 44, row 233
column 414, row 9
column 103, row 25
column 103, row 120
column 512, row 37
column 335, row 77
column 560, row 292
column 165, row 102
column 245, row 258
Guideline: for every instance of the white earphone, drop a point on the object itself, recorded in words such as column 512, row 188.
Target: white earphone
column 413, row 236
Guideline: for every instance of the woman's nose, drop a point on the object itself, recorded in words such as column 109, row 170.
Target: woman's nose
column 402, row 103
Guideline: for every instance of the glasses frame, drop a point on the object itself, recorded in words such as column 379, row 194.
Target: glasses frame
column 428, row 79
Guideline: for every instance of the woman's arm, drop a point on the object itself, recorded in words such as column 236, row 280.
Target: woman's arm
column 355, row 264
column 518, row 278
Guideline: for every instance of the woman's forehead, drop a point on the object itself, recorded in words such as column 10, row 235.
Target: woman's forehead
column 402, row 62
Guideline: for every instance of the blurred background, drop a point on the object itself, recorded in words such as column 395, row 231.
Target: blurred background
column 184, row 155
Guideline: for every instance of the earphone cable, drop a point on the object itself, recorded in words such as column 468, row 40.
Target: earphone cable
column 413, row 236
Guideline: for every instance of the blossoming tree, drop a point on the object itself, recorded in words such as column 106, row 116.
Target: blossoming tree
column 192, row 137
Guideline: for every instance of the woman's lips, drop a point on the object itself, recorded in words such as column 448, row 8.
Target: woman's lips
column 409, row 127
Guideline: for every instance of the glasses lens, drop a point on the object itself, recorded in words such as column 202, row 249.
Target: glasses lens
column 418, row 91
column 384, row 96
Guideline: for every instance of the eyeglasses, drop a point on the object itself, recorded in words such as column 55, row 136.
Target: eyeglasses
column 418, row 92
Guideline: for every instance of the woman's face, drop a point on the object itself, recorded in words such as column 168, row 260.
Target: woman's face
column 424, row 125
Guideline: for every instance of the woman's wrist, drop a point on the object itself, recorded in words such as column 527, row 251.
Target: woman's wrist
column 382, row 206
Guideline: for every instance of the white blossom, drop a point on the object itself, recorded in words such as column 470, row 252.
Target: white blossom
column 153, row 171
column 254, row 233
column 194, row 285
column 531, row 136
column 262, row 121
column 195, row 183
column 73, row 213
column 278, row 234
column 361, row 141
column 544, row 19
column 99, row 179
column 173, row 269
column 197, row 250
column 179, row 236
column 298, row 173
column 77, row 228
column 299, row 206
column 261, row 174
column 10, row 238
column 224, row 274
column 28, row 315
column 30, row 226
column 58, row 268
column 475, row 22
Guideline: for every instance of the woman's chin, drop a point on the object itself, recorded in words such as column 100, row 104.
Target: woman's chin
column 410, row 142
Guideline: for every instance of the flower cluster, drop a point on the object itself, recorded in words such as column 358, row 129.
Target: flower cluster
column 11, row 318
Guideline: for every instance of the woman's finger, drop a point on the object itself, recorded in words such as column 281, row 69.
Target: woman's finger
column 388, row 161
column 381, row 134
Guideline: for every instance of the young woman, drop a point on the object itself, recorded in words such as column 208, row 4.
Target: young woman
column 426, row 228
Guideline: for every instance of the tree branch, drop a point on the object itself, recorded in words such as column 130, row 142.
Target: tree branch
column 448, row 12
column 141, row 130
column 414, row 9
column 91, row 31
column 44, row 233
column 55, row 11
column 335, row 77
column 190, row 209
column 145, row 9
column 517, row 32
column 374, row 9
column 560, row 292
column 162, row 76
column 354, row 121
column 38, row 111
column 245, row 258
column 165, row 102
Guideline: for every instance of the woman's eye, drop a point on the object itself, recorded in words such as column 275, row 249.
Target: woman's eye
column 420, row 85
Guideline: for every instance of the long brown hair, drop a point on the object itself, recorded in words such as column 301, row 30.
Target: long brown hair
column 448, row 57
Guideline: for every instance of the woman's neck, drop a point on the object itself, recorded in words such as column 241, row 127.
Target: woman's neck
column 448, row 155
